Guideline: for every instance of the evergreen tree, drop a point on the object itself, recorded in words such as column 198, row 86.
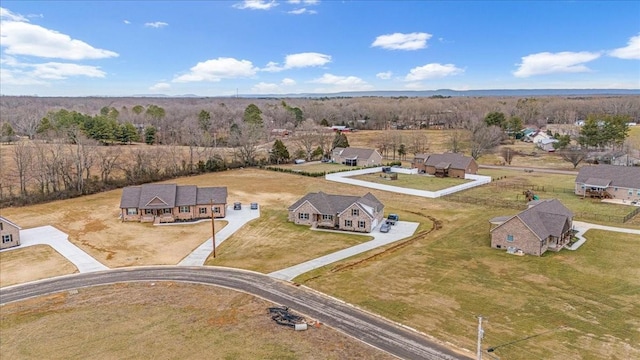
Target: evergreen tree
column 252, row 115
column 340, row 140
column 279, row 152
column 150, row 135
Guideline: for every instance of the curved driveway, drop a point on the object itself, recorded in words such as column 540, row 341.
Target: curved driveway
column 373, row 330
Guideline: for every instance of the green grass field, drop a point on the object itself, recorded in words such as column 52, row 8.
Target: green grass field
column 420, row 182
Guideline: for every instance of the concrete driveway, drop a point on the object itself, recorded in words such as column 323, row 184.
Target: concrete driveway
column 583, row 227
column 48, row 235
column 399, row 231
column 236, row 219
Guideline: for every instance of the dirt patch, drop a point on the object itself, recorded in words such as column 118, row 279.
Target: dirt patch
column 163, row 320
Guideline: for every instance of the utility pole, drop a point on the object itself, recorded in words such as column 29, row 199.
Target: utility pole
column 480, row 336
column 213, row 229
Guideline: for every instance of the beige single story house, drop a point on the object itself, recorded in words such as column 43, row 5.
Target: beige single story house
column 545, row 225
column 356, row 156
column 340, row 212
column 609, row 181
column 162, row 203
column 9, row 233
column 445, row 165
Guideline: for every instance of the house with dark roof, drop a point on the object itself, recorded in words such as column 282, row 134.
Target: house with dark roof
column 545, row 225
column 445, row 165
column 9, row 233
column 340, row 212
column 609, row 181
column 170, row 202
column 356, row 156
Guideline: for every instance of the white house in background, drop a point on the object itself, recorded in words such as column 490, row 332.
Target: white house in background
column 547, row 144
column 539, row 136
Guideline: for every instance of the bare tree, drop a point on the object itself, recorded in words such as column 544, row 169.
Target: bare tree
column 455, row 141
column 574, row 156
column 108, row 161
column 245, row 141
column 507, row 154
column 307, row 137
column 22, row 157
column 418, row 143
column 484, row 138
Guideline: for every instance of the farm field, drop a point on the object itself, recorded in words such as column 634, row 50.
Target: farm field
column 420, row 182
column 163, row 321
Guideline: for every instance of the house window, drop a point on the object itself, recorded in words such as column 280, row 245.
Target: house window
column 348, row 223
column 615, row 189
column 203, row 211
column 184, row 209
column 7, row 238
column 216, row 210
column 510, row 238
column 303, row 216
column 355, row 212
column 638, row 192
column 362, row 224
column 630, row 191
column 132, row 211
column 327, row 217
column 1, row 224
column 166, row 211
column 148, row 211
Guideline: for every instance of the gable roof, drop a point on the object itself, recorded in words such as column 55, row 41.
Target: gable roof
column 334, row 204
column 158, row 196
column 545, row 218
column 455, row 160
column 357, row 153
column 622, row 176
column 5, row 220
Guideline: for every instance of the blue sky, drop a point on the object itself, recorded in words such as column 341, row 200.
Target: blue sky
column 218, row 48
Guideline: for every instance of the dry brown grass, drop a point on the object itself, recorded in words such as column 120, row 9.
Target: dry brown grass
column 32, row 263
column 162, row 321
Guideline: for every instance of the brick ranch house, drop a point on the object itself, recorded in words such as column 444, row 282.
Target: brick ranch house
column 356, row 156
column 341, row 212
column 170, row 202
column 9, row 233
column 445, row 165
column 617, row 182
column 545, row 225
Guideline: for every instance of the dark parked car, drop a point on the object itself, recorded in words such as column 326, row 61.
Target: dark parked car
column 392, row 219
column 385, row 227
column 237, row 206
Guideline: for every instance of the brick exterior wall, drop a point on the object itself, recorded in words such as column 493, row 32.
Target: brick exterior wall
column 9, row 229
column 456, row 173
column 315, row 219
column 194, row 213
column 523, row 238
column 305, row 208
column 347, row 215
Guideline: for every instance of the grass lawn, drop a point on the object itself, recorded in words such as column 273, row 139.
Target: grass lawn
column 316, row 166
column 272, row 243
column 32, row 263
column 420, row 182
column 163, row 321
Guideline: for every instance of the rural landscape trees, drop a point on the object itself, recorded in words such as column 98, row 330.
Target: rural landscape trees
column 82, row 144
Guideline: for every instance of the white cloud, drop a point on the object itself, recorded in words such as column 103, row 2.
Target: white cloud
column 217, row 69
column 631, row 51
column 302, row 11
column 256, row 4
column 384, row 75
column 399, row 41
column 553, row 63
column 126, row 22
column 306, row 2
column 156, row 24
column 18, row 77
column 22, row 38
column 5, row 14
column 300, row 60
column 160, row 86
column 414, row 86
column 272, row 88
column 341, row 83
column 60, row 71
column 432, row 71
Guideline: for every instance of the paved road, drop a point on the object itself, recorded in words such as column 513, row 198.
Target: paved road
column 375, row 331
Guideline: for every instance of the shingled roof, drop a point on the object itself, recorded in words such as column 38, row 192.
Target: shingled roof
column 547, row 217
column 620, row 176
column 357, row 153
column 335, row 204
column 159, row 196
column 456, row 160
